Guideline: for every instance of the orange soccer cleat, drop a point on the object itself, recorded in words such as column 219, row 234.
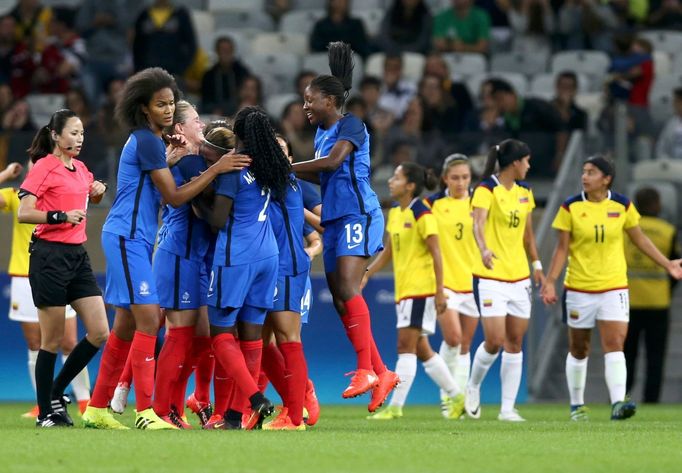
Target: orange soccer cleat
column 361, row 382
column 387, row 381
column 311, row 404
column 32, row 414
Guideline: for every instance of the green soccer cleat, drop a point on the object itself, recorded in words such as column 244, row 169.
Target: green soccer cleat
column 101, row 418
column 387, row 413
column 148, row 420
column 580, row 414
column 622, row 410
column 454, row 406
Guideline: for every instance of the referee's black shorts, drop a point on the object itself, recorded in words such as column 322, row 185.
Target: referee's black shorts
column 60, row 273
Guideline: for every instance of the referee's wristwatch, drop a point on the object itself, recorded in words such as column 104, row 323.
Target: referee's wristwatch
column 56, row 217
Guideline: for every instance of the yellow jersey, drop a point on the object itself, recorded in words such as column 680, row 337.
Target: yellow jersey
column 21, row 234
column 508, row 211
column 596, row 258
column 649, row 283
column 412, row 261
column 456, row 238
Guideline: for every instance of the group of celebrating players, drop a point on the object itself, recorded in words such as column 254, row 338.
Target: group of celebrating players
column 233, row 303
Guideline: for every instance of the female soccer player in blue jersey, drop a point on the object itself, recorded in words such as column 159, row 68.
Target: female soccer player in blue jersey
column 502, row 206
column 291, row 304
column 413, row 244
column 128, row 236
column 351, row 215
column 245, row 265
column 591, row 226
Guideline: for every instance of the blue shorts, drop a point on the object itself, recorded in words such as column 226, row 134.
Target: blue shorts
column 253, row 284
column 352, row 235
column 229, row 317
column 290, row 293
column 130, row 279
column 182, row 284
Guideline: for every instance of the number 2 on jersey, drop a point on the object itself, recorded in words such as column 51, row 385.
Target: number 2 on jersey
column 264, row 213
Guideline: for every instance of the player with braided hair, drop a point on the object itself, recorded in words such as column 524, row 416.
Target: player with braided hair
column 351, row 215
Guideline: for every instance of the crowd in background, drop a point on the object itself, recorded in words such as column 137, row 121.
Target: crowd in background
column 86, row 53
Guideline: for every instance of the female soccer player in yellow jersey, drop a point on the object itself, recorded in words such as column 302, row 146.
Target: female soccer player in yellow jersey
column 502, row 206
column 412, row 242
column 591, row 226
column 452, row 210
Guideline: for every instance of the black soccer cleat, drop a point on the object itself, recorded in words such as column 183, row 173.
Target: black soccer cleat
column 260, row 409
column 59, row 407
column 53, row 419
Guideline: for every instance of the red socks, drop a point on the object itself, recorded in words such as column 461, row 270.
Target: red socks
column 222, row 390
column 274, row 367
column 297, row 379
column 377, row 362
column 113, row 360
column 142, row 360
column 227, row 353
column 359, row 331
column 203, row 359
column 253, row 353
column 262, row 380
column 174, row 355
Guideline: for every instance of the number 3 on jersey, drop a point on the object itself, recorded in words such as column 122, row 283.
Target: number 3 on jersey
column 264, row 213
column 354, row 235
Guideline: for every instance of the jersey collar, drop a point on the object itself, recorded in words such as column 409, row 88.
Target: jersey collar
column 584, row 196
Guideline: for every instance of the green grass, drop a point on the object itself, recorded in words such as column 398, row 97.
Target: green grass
column 344, row 441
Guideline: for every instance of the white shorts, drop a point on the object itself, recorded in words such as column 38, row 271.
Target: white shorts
column 417, row 313
column 499, row 298
column 583, row 309
column 21, row 308
column 463, row 302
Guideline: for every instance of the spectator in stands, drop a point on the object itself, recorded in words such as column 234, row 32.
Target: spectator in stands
column 435, row 65
column 396, row 92
column 16, row 60
column 114, row 134
column 429, row 145
column 463, row 28
column 665, row 14
column 277, row 8
column 18, row 117
column 302, row 81
column 484, row 126
column 650, row 295
column 32, row 23
column 377, row 119
column 537, row 122
column 566, row 88
column 669, row 143
column 440, row 112
column 250, row 93
column 221, row 83
column 94, row 155
column 63, row 57
column 105, row 27
column 164, row 37
column 298, row 131
column 406, row 27
column 532, row 24
column 588, row 24
column 338, row 25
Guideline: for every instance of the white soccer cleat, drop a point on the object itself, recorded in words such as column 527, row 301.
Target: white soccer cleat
column 472, row 402
column 511, row 416
column 120, row 400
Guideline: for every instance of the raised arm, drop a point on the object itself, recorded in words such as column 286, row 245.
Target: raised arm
column 331, row 162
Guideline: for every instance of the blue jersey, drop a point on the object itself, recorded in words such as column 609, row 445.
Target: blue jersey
column 135, row 211
column 247, row 236
column 183, row 233
column 311, row 199
column 346, row 191
column 288, row 224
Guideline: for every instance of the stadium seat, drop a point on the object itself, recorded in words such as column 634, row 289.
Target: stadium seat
column 203, row 26
column 214, row 5
column 463, row 65
column 593, row 104
column 413, row 65
column 276, row 104
column 660, row 97
column 677, row 64
column 662, row 63
column 594, row 64
column 518, row 81
column 43, row 106
column 435, row 6
column 309, row 5
column 242, row 39
column 372, row 20
column 359, row 5
column 528, row 64
column 668, row 193
column 319, row 63
column 664, row 40
column 267, row 43
column 542, row 85
column 61, row 3
column 243, row 19
column 6, row 6
column 300, row 21
column 276, row 71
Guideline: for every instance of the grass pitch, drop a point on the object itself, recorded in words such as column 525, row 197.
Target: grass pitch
column 344, row 441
